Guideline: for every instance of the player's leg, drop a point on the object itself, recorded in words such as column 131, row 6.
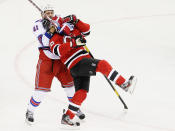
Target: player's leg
column 82, row 88
column 106, row 69
column 81, row 73
column 35, row 100
column 43, row 80
column 67, row 83
column 65, row 78
column 89, row 66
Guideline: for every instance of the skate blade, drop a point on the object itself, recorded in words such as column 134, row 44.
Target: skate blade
column 82, row 120
column 68, row 127
column 133, row 85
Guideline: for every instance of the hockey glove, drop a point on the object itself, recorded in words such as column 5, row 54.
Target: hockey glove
column 82, row 39
column 46, row 24
column 78, row 42
column 52, row 29
column 70, row 19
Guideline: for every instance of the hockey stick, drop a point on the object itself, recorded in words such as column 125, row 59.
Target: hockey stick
column 125, row 106
column 35, row 6
column 116, row 92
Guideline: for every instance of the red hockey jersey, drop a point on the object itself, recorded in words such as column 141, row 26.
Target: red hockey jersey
column 60, row 46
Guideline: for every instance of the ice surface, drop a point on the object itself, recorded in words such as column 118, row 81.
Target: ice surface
column 136, row 37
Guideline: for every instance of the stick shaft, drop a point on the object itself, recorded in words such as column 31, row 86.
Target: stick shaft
column 39, row 9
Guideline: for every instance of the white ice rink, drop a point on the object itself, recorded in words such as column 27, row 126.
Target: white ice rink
column 135, row 36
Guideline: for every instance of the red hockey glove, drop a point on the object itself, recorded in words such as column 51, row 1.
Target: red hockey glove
column 70, row 19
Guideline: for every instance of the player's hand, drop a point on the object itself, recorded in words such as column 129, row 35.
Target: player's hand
column 52, row 29
column 78, row 41
column 46, row 23
column 70, row 19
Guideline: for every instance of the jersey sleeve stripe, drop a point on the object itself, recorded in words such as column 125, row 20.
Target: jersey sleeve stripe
column 48, row 35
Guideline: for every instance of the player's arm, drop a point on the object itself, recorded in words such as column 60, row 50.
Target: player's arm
column 62, row 49
column 84, row 28
column 63, row 27
column 57, row 48
column 48, row 35
column 38, row 32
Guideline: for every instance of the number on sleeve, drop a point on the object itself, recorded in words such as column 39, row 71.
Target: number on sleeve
column 35, row 28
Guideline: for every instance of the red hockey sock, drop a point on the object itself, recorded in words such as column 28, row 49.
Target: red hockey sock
column 120, row 80
column 70, row 113
column 76, row 102
column 104, row 67
column 79, row 97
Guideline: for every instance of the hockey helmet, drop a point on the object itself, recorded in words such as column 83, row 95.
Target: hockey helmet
column 48, row 7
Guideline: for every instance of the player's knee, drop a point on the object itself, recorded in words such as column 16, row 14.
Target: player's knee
column 82, row 83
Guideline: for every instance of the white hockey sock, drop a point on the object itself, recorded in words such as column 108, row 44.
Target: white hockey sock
column 70, row 91
column 35, row 100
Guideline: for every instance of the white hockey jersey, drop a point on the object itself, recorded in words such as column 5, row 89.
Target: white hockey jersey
column 43, row 39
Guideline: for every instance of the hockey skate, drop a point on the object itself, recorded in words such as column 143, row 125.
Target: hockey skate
column 29, row 117
column 129, row 85
column 80, row 114
column 68, row 122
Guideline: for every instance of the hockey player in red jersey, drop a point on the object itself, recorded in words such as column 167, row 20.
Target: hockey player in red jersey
column 70, row 49
column 49, row 65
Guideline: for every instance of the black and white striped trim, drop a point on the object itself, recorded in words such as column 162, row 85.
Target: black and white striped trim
column 113, row 75
column 44, row 48
column 56, row 50
column 73, row 107
column 86, row 33
column 76, row 55
column 65, row 38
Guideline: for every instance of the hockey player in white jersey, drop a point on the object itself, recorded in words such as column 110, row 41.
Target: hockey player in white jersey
column 49, row 65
